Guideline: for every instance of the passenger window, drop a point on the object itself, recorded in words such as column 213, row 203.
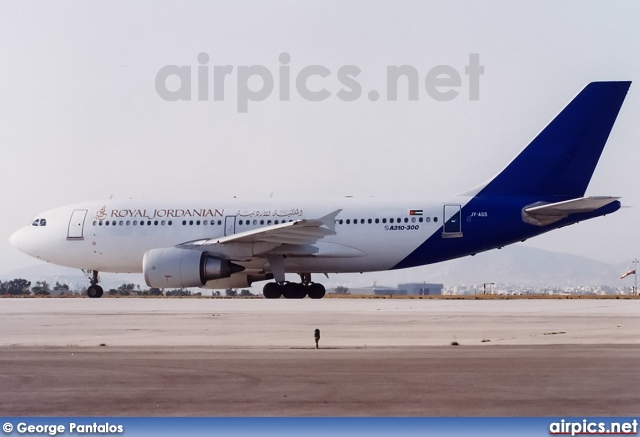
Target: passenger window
column 106, row 223
column 100, row 223
column 135, row 223
column 384, row 220
column 95, row 223
column 428, row 219
column 391, row 220
column 255, row 222
column 348, row 221
column 141, row 222
column 128, row 222
column 190, row 222
column 413, row 219
column 170, row 222
column 155, row 223
column 377, row 221
column 435, row 219
column 121, row 223
column 198, row 222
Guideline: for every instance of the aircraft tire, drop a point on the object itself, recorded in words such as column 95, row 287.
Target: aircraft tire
column 291, row 290
column 316, row 291
column 301, row 291
column 272, row 290
column 95, row 291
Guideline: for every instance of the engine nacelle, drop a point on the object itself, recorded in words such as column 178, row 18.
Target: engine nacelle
column 177, row 268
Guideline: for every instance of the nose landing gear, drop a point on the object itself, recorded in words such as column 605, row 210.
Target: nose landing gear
column 94, row 290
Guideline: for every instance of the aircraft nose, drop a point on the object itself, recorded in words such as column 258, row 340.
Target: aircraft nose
column 14, row 239
column 19, row 240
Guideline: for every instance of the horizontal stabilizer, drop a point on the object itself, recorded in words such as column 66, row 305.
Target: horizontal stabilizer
column 542, row 214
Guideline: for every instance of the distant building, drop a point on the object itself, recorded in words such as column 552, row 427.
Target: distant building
column 421, row 289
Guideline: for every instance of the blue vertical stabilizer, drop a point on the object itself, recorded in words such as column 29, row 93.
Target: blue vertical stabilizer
column 561, row 159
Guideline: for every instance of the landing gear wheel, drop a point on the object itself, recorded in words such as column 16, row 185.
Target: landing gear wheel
column 272, row 290
column 291, row 290
column 316, row 291
column 95, row 291
column 301, row 291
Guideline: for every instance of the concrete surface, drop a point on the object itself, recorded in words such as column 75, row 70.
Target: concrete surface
column 378, row 357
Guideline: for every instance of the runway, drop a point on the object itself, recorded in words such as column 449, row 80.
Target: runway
column 215, row 357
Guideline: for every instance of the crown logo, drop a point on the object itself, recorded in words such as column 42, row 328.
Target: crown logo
column 102, row 213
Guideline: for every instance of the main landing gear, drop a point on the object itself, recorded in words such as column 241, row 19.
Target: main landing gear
column 94, row 290
column 293, row 290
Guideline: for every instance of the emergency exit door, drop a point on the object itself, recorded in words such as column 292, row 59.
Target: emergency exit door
column 452, row 218
column 229, row 225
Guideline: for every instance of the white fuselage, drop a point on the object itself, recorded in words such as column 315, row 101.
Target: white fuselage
column 372, row 234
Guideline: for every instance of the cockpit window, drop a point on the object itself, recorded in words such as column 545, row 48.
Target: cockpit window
column 43, row 222
column 36, row 222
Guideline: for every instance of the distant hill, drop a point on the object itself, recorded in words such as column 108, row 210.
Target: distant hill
column 515, row 265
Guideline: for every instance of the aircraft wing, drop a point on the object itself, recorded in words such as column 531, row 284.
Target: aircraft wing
column 298, row 233
column 547, row 213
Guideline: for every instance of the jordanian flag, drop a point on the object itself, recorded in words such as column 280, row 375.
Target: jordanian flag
column 630, row 272
column 415, row 212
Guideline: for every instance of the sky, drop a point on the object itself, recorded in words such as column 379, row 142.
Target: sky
column 82, row 116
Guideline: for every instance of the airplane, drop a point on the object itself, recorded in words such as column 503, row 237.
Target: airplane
column 233, row 243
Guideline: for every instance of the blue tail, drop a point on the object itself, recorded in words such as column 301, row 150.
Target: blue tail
column 561, row 159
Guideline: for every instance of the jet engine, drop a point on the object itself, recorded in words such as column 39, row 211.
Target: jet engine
column 176, row 268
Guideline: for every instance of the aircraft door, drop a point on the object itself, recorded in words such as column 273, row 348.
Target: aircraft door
column 76, row 224
column 229, row 225
column 453, row 226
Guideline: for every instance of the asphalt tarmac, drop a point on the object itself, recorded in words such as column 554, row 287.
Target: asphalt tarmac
column 211, row 357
